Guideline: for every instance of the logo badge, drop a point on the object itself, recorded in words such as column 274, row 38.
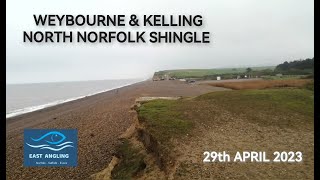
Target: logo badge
column 50, row 147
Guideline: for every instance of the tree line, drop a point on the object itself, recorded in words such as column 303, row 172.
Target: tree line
column 302, row 67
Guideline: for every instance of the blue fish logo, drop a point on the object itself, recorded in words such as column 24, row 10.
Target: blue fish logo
column 53, row 140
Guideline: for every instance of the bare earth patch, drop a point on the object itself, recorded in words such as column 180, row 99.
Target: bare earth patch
column 262, row 84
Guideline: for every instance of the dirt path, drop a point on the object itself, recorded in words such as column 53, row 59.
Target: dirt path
column 100, row 119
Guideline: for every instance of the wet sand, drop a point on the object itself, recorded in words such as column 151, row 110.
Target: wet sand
column 100, row 119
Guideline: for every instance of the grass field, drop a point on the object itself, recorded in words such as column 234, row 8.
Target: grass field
column 199, row 73
column 261, row 106
column 166, row 119
column 163, row 119
column 262, row 115
column 269, row 120
column 263, row 84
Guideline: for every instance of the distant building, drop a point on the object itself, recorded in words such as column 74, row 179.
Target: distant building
column 156, row 79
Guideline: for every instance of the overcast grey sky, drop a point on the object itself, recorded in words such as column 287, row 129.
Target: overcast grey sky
column 243, row 33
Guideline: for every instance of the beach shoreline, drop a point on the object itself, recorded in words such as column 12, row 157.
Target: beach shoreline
column 28, row 109
column 100, row 119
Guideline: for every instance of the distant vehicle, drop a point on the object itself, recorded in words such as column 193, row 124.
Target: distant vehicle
column 162, row 79
column 182, row 80
column 218, row 78
column 191, row 81
column 172, row 78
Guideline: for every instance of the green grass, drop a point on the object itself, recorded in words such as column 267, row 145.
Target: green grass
column 287, row 107
column 131, row 162
column 309, row 86
column 282, row 107
column 163, row 119
column 298, row 100
column 200, row 73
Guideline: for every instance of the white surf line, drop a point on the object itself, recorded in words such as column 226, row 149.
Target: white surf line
column 35, row 108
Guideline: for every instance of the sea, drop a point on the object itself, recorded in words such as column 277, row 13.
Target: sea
column 25, row 98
